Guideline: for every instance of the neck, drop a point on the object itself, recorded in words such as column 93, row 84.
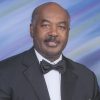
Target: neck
column 50, row 58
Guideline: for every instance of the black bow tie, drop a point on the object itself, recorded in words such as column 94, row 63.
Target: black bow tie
column 46, row 67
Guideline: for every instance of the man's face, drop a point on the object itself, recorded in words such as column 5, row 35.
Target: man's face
column 50, row 32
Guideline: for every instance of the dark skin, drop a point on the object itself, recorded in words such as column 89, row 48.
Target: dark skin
column 50, row 31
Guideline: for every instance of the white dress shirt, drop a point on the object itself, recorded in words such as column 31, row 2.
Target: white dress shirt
column 52, row 79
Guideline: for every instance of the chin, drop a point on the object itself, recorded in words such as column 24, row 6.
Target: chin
column 53, row 54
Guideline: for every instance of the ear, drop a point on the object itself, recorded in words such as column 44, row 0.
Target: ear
column 31, row 30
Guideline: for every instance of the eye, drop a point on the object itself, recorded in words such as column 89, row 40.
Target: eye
column 62, row 27
column 45, row 25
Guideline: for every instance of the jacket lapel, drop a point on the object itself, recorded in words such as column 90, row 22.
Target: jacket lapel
column 34, row 75
column 68, row 82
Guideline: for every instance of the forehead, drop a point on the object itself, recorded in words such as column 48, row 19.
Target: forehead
column 53, row 12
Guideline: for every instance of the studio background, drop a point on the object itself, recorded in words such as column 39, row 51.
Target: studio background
column 84, row 39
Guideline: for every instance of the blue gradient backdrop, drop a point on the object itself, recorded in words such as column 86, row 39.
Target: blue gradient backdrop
column 84, row 39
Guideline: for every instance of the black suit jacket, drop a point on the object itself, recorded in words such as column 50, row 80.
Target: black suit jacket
column 21, row 78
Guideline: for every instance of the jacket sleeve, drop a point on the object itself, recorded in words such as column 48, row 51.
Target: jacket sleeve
column 4, row 91
column 4, row 84
column 96, row 95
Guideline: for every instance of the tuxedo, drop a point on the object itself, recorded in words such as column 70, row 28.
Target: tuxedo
column 21, row 78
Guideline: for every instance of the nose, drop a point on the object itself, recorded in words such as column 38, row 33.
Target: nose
column 53, row 31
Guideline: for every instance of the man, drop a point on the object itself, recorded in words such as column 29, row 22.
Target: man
column 23, row 77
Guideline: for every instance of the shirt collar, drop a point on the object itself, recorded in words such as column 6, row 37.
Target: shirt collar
column 40, row 58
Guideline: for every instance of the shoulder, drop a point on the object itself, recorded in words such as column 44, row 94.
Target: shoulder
column 18, row 57
column 14, row 62
column 18, row 61
column 85, row 77
column 79, row 69
column 13, row 59
column 12, row 67
column 83, row 73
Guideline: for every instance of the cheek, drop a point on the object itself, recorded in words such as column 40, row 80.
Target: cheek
column 40, row 34
column 38, row 39
column 64, row 37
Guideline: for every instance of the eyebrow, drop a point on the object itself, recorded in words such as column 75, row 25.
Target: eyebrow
column 45, row 20
column 61, row 22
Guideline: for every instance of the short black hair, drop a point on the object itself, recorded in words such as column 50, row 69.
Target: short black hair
column 36, row 10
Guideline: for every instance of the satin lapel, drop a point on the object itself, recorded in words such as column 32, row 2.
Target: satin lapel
column 34, row 76
column 68, row 82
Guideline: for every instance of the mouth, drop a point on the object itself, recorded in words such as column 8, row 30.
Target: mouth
column 51, row 42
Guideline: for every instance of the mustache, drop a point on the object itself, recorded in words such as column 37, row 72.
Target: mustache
column 51, row 38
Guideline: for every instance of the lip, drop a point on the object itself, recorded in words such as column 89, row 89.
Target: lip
column 51, row 44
